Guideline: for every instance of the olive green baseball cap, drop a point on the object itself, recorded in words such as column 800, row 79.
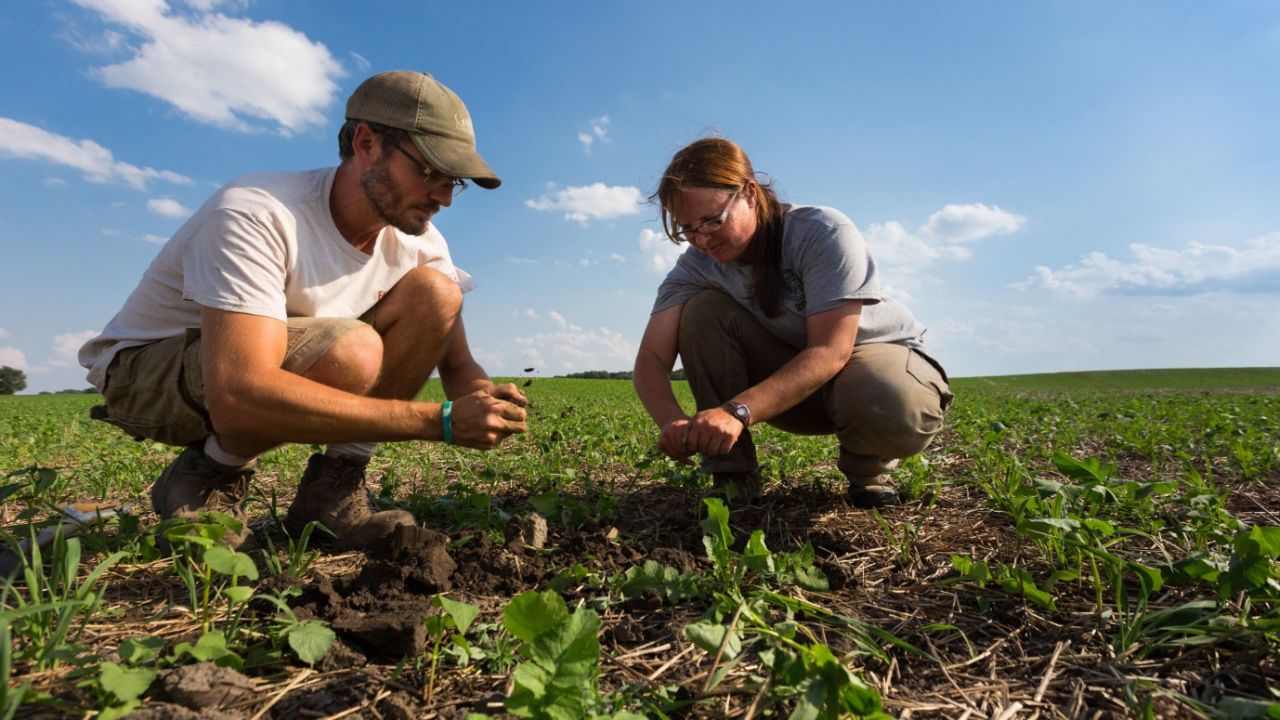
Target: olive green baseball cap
column 432, row 114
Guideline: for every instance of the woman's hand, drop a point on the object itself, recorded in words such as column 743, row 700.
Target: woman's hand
column 713, row 432
column 672, row 439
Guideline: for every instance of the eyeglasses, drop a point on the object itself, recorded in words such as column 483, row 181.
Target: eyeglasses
column 706, row 227
column 434, row 177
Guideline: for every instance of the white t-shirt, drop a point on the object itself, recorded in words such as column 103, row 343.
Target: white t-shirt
column 264, row 244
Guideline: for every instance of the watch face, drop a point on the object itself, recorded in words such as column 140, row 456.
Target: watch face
column 741, row 412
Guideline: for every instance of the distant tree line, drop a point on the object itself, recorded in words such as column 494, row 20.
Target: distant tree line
column 677, row 374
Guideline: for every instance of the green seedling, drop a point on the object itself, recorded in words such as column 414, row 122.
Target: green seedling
column 453, row 622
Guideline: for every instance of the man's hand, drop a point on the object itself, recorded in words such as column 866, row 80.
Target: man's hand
column 713, row 432
column 510, row 393
column 481, row 420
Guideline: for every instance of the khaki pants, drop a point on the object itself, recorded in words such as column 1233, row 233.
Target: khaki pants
column 887, row 403
column 156, row 391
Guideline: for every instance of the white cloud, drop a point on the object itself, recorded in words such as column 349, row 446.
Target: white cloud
column 566, row 347
column 148, row 238
column 617, row 258
column 54, row 182
column 13, row 357
column 592, row 202
column 943, row 237
column 599, row 131
column 519, row 260
column 220, row 70
column 3, row 333
column 955, row 224
column 167, row 207
column 657, row 251
column 67, row 346
column 1196, row 269
column 18, row 139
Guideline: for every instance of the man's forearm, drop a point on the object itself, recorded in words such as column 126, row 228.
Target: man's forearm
column 464, row 380
column 279, row 406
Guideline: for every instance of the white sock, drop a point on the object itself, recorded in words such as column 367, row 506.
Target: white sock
column 215, row 452
column 357, row 451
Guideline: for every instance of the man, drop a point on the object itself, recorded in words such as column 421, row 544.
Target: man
column 311, row 307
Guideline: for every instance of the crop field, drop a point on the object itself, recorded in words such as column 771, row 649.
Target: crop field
column 1076, row 546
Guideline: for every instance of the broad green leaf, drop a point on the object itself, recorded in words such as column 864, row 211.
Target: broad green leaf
column 812, row 579
column 546, row 504
column 709, row 635
column 1101, row 528
column 463, row 614
column 756, row 555
column 716, row 523
column 230, row 562
column 1081, row 470
column 136, row 651
column 1019, row 582
column 124, row 683
column 116, row 712
column 238, row 593
column 559, row 679
column 310, row 640
column 211, row 646
column 1238, row 708
column 1263, row 540
column 530, row 614
column 1247, row 572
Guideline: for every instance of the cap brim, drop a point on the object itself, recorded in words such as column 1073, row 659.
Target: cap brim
column 456, row 158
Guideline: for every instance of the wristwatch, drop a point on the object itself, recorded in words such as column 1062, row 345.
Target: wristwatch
column 739, row 411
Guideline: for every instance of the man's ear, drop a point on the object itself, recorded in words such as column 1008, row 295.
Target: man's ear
column 366, row 144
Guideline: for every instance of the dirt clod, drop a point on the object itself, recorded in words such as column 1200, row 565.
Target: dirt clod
column 205, row 685
column 412, row 557
column 529, row 529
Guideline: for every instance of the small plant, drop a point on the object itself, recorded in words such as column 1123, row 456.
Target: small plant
column 562, row 658
column 457, row 617
column 44, row 618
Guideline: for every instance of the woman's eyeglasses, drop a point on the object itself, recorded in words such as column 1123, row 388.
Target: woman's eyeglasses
column 706, row 227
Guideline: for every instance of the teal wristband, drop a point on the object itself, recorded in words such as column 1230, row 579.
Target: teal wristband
column 446, row 420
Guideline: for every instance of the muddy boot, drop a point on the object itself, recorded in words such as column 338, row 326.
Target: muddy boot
column 193, row 483
column 746, row 485
column 332, row 493
column 871, row 492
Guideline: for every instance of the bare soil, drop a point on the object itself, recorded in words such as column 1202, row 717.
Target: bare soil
column 994, row 655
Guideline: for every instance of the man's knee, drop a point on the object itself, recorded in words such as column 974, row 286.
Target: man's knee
column 353, row 363
column 427, row 293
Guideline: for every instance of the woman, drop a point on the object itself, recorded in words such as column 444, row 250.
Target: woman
column 778, row 317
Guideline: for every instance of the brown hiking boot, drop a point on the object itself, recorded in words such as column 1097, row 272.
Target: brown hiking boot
column 332, row 493
column 193, row 483
column 871, row 492
column 746, row 485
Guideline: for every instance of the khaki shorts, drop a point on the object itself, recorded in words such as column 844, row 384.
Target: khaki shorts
column 156, row 391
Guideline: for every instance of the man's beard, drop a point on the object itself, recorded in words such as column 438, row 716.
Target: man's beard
column 389, row 203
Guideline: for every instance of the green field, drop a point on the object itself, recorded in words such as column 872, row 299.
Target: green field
column 1075, row 545
column 1192, row 379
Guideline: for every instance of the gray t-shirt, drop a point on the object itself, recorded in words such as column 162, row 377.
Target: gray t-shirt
column 825, row 263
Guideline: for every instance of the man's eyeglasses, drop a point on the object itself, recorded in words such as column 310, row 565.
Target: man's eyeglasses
column 434, row 177
column 706, row 227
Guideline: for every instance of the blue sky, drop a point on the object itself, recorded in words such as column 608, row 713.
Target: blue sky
column 1049, row 186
